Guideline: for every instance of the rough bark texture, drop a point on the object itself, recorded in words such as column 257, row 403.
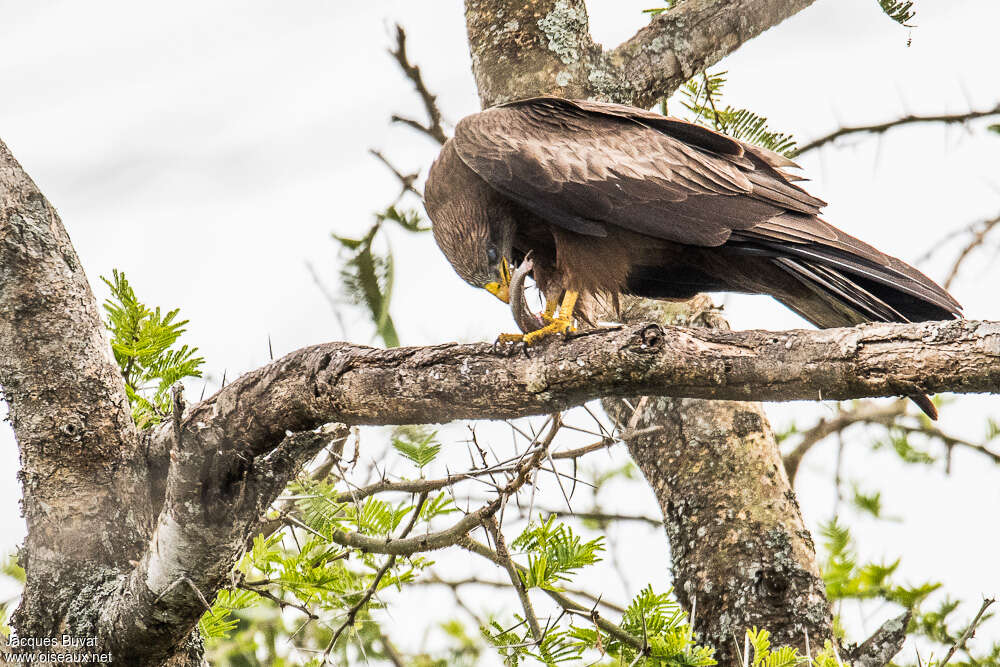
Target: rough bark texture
column 69, row 411
column 93, row 505
column 522, row 48
column 738, row 546
column 355, row 384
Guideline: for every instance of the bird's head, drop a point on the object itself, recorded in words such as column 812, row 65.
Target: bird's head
column 479, row 250
column 472, row 225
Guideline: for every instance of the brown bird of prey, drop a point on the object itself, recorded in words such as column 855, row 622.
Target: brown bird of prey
column 611, row 200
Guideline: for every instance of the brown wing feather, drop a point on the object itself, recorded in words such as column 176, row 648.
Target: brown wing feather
column 583, row 165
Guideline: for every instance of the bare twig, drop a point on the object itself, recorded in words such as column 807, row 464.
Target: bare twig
column 433, row 127
column 979, row 230
column 282, row 603
column 373, row 588
column 909, row 119
column 864, row 412
column 406, row 181
column 969, row 631
column 503, row 555
column 434, row 579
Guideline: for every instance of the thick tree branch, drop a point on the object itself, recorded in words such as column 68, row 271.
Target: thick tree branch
column 556, row 55
column 693, row 36
column 418, row 385
column 909, row 119
column 879, row 649
column 68, row 409
column 215, row 497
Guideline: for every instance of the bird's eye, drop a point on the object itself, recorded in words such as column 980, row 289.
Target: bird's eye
column 492, row 254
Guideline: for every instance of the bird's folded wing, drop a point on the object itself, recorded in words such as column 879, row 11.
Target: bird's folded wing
column 585, row 165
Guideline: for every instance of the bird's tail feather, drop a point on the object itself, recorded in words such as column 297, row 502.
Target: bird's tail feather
column 836, row 299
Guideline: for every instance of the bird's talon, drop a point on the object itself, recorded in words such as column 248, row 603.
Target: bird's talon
column 556, row 326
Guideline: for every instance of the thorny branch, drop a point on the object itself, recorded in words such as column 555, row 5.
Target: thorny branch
column 969, row 631
column 373, row 588
column 564, row 601
column 406, row 181
column 503, row 557
column 878, row 414
column 909, row 119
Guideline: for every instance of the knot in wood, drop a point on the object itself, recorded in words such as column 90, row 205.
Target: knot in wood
column 773, row 585
column 652, row 338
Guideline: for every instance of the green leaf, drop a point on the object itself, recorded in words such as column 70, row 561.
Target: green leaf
column 420, row 448
column 554, row 552
column 409, row 219
column 367, row 280
column 218, row 621
column 702, row 97
column 143, row 340
column 900, row 12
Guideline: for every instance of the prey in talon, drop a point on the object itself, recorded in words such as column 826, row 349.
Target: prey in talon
column 613, row 200
column 532, row 325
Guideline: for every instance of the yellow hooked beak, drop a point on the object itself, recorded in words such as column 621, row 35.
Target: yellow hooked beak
column 501, row 290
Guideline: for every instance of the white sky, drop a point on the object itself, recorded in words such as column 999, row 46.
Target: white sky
column 208, row 150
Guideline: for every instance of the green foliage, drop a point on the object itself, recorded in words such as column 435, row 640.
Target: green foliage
column 367, row 275
column 312, row 572
column 554, row 551
column 658, row 620
column 899, row 442
column 899, row 11
column 994, row 128
column 219, row 621
column 10, row 569
column 846, row 578
column 417, row 445
column 654, row 618
column 702, row 97
column 763, row 655
column 668, row 5
column 143, row 341
column 869, row 503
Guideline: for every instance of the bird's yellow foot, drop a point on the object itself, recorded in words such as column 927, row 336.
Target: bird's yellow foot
column 549, row 315
column 557, row 325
